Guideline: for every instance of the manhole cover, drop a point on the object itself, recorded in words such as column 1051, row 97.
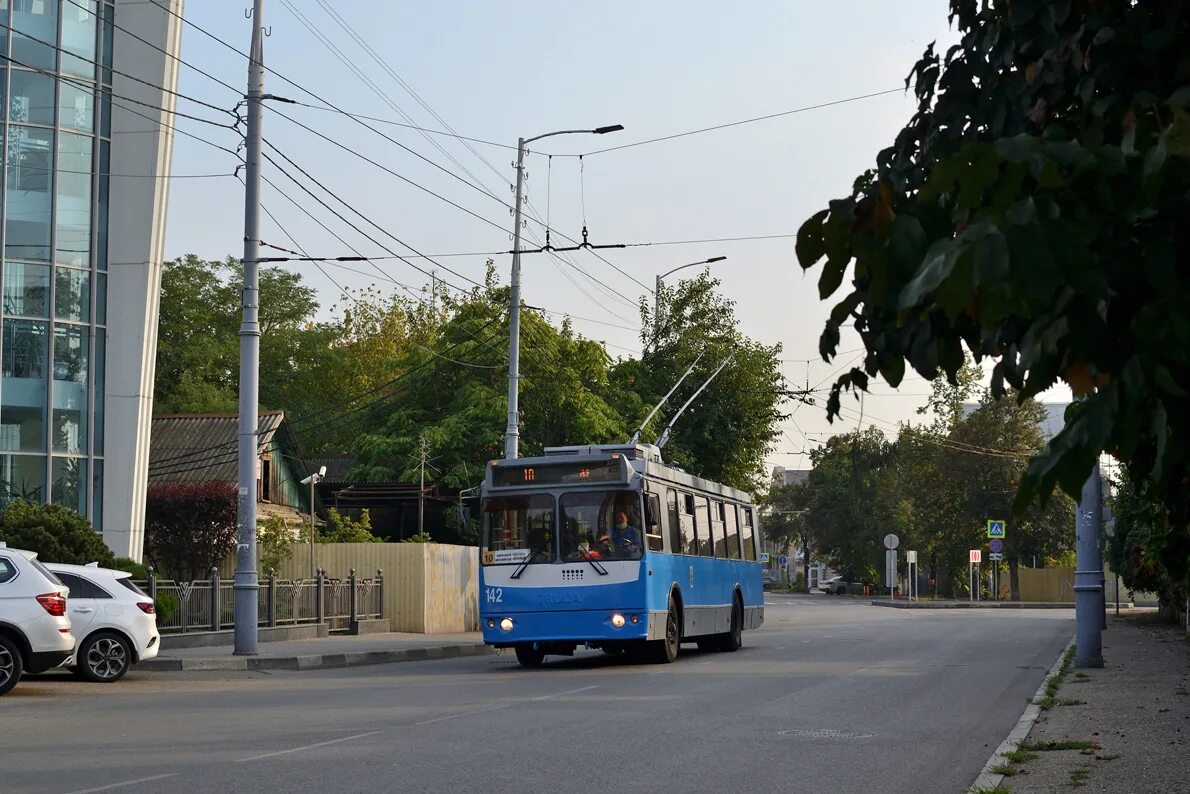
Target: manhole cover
column 823, row 733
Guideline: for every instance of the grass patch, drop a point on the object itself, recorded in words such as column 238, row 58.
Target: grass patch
column 1182, row 691
column 1032, row 745
column 1110, row 757
column 1082, row 676
column 1070, row 702
column 1049, row 697
column 1019, row 756
column 1078, row 776
column 996, row 790
column 1008, row 770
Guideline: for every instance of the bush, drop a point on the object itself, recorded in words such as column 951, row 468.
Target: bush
column 274, row 543
column 189, row 527
column 165, row 605
column 420, row 537
column 56, row 533
column 139, row 572
column 342, row 529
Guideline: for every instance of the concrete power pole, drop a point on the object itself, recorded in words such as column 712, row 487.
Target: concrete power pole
column 1088, row 575
column 513, row 431
column 423, row 454
column 247, row 585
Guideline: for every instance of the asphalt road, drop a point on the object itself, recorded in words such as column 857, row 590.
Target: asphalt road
column 830, row 694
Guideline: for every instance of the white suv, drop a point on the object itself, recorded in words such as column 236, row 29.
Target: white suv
column 113, row 619
column 34, row 628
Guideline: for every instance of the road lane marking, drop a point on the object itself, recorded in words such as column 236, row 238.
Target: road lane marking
column 111, row 786
column 464, row 714
column 569, row 692
column 307, row 747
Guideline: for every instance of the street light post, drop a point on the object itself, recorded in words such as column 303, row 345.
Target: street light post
column 657, row 288
column 512, row 431
column 313, row 480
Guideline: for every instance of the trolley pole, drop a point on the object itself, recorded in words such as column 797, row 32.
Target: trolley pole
column 247, row 586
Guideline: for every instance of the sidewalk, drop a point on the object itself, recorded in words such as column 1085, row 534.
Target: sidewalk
column 946, row 604
column 1125, row 727
column 326, row 652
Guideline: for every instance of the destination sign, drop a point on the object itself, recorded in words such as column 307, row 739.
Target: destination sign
column 556, row 473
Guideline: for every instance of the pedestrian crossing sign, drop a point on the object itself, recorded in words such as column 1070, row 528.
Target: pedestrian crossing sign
column 764, row 556
column 995, row 528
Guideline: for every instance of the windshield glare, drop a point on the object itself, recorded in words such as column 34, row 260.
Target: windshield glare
column 514, row 525
column 600, row 525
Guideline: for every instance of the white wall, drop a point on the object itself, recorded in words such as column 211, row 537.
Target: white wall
column 136, row 234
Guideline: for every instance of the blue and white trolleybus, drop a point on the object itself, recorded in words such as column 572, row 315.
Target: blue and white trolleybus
column 609, row 547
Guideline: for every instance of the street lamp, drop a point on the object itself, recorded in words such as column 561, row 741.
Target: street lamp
column 512, row 432
column 313, row 480
column 657, row 290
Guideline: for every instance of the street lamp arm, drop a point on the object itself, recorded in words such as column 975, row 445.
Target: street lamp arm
column 597, row 131
column 694, row 264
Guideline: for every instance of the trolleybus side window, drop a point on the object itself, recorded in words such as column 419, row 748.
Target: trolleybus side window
column 747, row 535
column 718, row 522
column 702, row 526
column 676, row 545
column 733, row 532
column 653, row 523
column 514, row 523
column 689, row 535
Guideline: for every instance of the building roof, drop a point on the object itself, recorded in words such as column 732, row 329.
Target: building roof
column 338, row 465
column 202, row 447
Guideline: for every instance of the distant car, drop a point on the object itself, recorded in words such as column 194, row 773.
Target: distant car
column 114, row 620
column 836, row 585
column 34, row 626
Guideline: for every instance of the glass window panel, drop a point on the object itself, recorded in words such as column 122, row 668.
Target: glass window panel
column 70, row 388
column 73, row 211
column 28, row 200
column 31, row 98
column 109, row 13
column 23, row 389
column 78, row 37
column 72, row 294
column 733, row 533
column 101, row 299
column 746, row 533
column 97, row 498
column 33, row 51
column 22, row 477
column 702, row 525
column 6, row 22
column 105, row 112
column 3, row 75
column 105, row 157
column 76, row 108
column 26, row 289
column 676, row 544
column 99, row 377
column 68, row 483
column 39, row 19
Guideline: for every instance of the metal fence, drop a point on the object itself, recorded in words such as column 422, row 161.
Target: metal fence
column 209, row 604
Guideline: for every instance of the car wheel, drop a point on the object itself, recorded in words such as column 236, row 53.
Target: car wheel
column 103, row 657
column 665, row 651
column 529, row 655
column 10, row 664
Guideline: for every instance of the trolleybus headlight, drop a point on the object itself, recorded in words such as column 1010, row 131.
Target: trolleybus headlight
column 506, row 624
column 491, row 624
column 618, row 620
column 635, row 618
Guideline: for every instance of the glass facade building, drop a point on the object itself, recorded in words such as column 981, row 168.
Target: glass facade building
column 55, row 79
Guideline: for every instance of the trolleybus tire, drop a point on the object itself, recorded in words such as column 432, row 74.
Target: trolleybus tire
column 529, row 656
column 665, row 651
column 733, row 639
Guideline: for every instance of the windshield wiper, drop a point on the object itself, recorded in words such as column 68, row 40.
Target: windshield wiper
column 595, row 564
column 520, row 569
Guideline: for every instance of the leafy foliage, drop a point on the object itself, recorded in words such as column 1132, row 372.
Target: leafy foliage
column 56, row 533
column 344, row 529
column 1033, row 212
column 189, row 527
column 727, row 432
column 274, row 543
column 1144, row 546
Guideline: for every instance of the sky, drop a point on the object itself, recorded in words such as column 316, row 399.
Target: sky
column 499, row 71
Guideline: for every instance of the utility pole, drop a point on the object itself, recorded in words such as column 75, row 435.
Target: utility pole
column 512, row 431
column 423, row 454
column 247, row 585
column 1088, row 575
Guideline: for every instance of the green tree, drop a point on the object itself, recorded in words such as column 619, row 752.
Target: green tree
column 1033, row 211
column 1140, row 522
column 345, row 529
column 56, row 533
column 786, row 521
column 274, row 543
column 727, row 432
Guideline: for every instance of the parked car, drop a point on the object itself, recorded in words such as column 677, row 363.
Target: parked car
column 34, row 626
column 837, row 585
column 114, row 621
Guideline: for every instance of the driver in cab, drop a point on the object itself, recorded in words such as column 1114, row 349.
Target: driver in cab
column 624, row 536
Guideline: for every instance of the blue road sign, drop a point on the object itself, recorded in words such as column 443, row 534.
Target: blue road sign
column 995, row 528
column 995, row 545
column 783, row 560
column 764, row 556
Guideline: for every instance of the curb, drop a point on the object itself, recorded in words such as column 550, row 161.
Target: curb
column 987, row 778
column 970, row 605
column 321, row 661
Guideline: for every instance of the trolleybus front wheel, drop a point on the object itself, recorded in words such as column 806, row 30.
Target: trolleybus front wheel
column 529, row 656
column 666, row 650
